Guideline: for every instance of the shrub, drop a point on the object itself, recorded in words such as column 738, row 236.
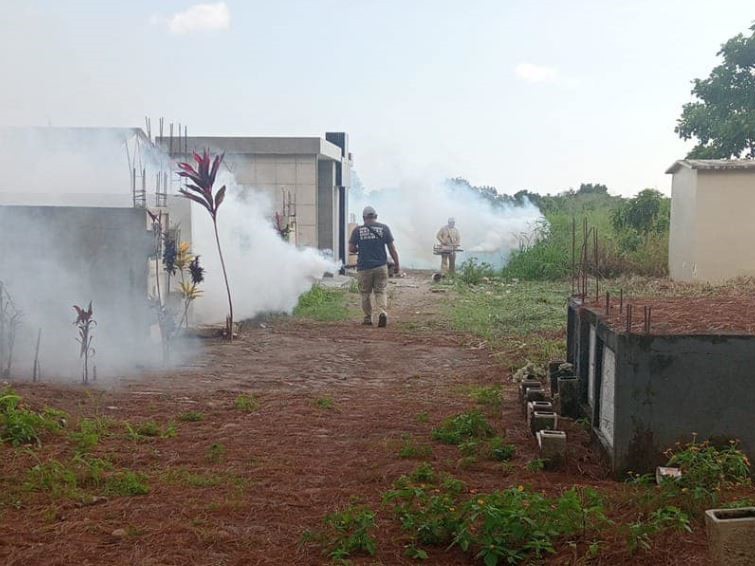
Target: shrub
column 246, row 403
column 710, row 468
column 23, row 426
column 473, row 272
column 348, row 532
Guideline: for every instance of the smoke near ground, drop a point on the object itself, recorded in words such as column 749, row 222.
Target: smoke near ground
column 417, row 209
column 266, row 273
column 69, row 235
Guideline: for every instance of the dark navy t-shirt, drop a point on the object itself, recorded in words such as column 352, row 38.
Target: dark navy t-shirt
column 370, row 242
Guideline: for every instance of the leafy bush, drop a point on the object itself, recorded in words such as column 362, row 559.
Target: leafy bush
column 664, row 518
column 707, row 467
column 473, row 272
column 501, row 451
column 455, row 430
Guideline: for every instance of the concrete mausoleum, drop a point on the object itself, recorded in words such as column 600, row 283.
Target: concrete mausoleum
column 307, row 178
column 712, row 231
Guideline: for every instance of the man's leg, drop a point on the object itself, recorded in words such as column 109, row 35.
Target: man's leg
column 443, row 263
column 365, row 290
column 452, row 263
column 380, row 285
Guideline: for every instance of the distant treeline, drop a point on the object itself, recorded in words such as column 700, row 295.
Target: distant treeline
column 633, row 232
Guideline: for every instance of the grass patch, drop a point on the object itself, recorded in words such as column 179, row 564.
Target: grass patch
column 325, row 403
column 487, row 396
column 410, row 449
column 321, row 303
column 246, row 403
column 216, row 453
column 463, row 427
column 147, row 430
column 191, row 417
column 20, row 425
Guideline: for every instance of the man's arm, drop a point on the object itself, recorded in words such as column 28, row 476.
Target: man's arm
column 439, row 236
column 394, row 254
column 353, row 241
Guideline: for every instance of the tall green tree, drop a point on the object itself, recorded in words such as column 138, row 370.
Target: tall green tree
column 722, row 118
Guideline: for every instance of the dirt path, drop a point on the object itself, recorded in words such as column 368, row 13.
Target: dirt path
column 335, row 401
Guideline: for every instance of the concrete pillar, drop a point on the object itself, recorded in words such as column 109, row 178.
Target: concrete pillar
column 326, row 205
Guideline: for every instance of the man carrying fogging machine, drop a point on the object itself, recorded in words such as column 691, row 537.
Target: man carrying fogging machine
column 449, row 244
column 369, row 241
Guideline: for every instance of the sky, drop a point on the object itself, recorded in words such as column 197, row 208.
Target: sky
column 519, row 94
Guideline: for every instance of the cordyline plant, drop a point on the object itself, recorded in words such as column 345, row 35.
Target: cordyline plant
column 199, row 188
column 85, row 322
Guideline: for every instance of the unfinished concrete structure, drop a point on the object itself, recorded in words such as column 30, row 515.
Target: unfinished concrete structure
column 307, row 179
column 711, row 219
column 643, row 392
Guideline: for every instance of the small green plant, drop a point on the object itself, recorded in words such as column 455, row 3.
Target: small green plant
column 488, row 396
column 454, row 430
column 536, row 465
column 216, row 453
column 246, row 403
column 19, row 425
column 89, row 434
column 324, row 403
column 499, row 450
column 641, row 532
column 348, row 532
column 191, row 417
column 85, row 323
column 423, row 417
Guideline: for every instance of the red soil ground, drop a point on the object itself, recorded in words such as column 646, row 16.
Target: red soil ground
column 291, row 462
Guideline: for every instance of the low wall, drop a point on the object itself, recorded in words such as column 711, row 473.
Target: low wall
column 644, row 393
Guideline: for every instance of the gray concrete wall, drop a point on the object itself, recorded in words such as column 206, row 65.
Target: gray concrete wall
column 327, row 217
column 644, row 393
column 669, row 387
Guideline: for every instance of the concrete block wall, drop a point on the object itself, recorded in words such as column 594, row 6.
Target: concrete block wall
column 646, row 392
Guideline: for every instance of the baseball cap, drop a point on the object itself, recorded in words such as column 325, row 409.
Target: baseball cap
column 368, row 211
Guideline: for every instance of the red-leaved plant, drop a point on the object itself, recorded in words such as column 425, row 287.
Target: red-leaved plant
column 199, row 188
column 85, row 322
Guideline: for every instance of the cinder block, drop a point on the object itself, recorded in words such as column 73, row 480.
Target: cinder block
column 552, row 446
column 731, row 536
column 534, row 406
column 568, row 397
column 532, row 394
column 663, row 473
column 543, row 420
column 527, row 384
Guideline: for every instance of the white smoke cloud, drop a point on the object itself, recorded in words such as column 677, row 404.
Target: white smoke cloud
column 198, row 18
column 416, row 210
column 266, row 273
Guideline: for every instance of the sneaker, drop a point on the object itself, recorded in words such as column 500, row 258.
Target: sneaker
column 367, row 321
column 382, row 320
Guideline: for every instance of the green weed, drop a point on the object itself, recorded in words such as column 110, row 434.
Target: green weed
column 489, row 396
column 246, row 403
column 126, row 484
column 325, row 403
column 348, row 532
column 216, row 453
column 423, row 417
column 455, row 430
column 640, row 533
column 191, row 417
column 19, row 425
column 536, row 465
column 499, row 450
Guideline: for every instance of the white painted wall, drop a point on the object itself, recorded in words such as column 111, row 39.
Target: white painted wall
column 712, row 230
column 607, row 396
column 683, row 225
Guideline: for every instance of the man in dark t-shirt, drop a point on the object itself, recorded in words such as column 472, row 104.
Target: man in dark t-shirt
column 369, row 241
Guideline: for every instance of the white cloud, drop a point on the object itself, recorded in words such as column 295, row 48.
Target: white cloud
column 536, row 73
column 200, row 17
